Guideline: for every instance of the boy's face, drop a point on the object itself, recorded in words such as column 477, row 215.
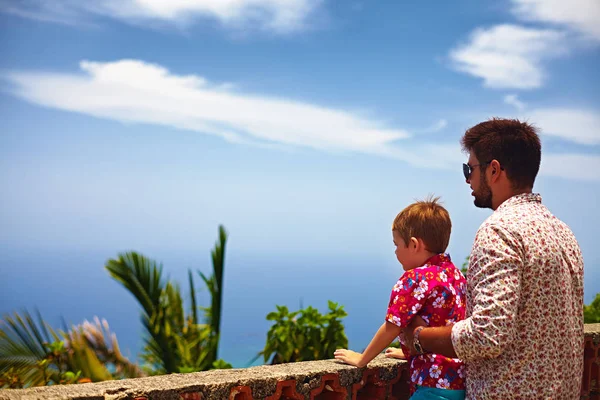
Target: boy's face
column 402, row 252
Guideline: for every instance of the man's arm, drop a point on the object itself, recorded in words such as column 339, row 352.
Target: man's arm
column 496, row 291
column 436, row 340
column 495, row 288
column 384, row 336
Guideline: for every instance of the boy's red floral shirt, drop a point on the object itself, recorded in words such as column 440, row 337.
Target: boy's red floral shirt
column 435, row 292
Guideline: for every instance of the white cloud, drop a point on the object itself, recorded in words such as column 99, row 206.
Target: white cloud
column 282, row 16
column 580, row 15
column 438, row 126
column 513, row 100
column 583, row 167
column 512, row 56
column 509, row 56
column 135, row 91
column 578, row 126
column 574, row 125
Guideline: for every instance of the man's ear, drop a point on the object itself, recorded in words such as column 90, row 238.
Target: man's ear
column 495, row 169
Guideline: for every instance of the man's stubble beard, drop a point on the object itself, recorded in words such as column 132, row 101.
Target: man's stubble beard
column 483, row 196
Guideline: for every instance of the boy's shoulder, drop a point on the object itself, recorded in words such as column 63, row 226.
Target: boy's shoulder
column 437, row 268
column 437, row 263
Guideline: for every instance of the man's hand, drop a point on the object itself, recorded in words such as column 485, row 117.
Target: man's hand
column 408, row 333
column 349, row 357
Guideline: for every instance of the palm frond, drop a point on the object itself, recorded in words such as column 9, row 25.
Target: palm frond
column 216, row 287
column 193, row 297
column 141, row 276
column 23, row 332
column 174, row 341
column 24, row 347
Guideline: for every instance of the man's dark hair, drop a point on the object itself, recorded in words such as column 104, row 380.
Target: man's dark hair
column 514, row 144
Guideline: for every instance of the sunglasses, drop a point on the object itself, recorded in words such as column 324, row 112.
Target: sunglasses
column 468, row 169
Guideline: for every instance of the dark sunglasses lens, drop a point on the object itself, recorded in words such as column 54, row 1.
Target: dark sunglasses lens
column 466, row 171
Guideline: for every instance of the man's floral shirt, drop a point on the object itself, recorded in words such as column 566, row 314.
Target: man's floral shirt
column 435, row 292
column 523, row 338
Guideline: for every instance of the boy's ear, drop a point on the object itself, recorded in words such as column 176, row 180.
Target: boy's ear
column 414, row 243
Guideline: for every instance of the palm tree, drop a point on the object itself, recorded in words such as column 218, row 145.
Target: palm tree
column 175, row 341
column 34, row 354
column 142, row 277
column 215, row 287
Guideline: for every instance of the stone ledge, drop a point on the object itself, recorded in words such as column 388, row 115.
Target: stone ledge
column 592, row 331
column 218, row 384
column 383, row 378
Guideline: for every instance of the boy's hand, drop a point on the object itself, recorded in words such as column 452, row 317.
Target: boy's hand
column 349, row 357
column 392, row 352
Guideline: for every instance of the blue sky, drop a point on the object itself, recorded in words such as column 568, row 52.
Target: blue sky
column 303, row 126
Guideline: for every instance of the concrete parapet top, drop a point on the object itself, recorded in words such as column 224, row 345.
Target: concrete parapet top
column 214, row 384
column 302, row 380
column 592, row 331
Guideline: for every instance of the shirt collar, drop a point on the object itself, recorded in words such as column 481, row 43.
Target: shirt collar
column 438, row 259
column 518, row 199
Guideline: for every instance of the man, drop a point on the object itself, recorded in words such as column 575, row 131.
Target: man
column 523, row 335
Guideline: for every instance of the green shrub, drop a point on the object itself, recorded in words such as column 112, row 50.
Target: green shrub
column 304, row 335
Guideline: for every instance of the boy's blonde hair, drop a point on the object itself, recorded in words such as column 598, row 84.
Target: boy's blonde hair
column 426, row 220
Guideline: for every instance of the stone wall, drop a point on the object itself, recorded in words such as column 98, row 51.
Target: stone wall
column 591, row 373
column 324, row 380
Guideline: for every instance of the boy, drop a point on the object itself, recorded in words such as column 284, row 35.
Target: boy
column 432, row 287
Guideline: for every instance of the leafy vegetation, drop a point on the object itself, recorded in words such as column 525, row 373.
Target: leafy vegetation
column 591, row 312
column 175, row 341
column 304, row 335
column 32, row 353
column 214, row 283
column 465, row 266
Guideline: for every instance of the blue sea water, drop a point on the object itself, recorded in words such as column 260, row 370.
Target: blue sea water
column 73, row 284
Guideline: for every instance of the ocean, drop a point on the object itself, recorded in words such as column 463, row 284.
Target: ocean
column 73, row 284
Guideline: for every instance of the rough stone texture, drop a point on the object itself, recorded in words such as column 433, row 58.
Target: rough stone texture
column 212, row 385
column 263, row 380
column 591, row 369
column 593, row 331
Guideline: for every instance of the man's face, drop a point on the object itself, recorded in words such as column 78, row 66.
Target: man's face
column 478, row 182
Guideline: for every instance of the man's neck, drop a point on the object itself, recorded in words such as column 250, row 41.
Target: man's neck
column 501, row 198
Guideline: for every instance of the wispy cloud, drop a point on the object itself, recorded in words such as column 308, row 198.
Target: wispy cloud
column 580, row 126
column 573, row 125
column 513, row 100
column 281, row 16
column 583, row 167
column 579, row 15
column 565, row 126
column 135, row 91
column 437, row 127
column 509, row 56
